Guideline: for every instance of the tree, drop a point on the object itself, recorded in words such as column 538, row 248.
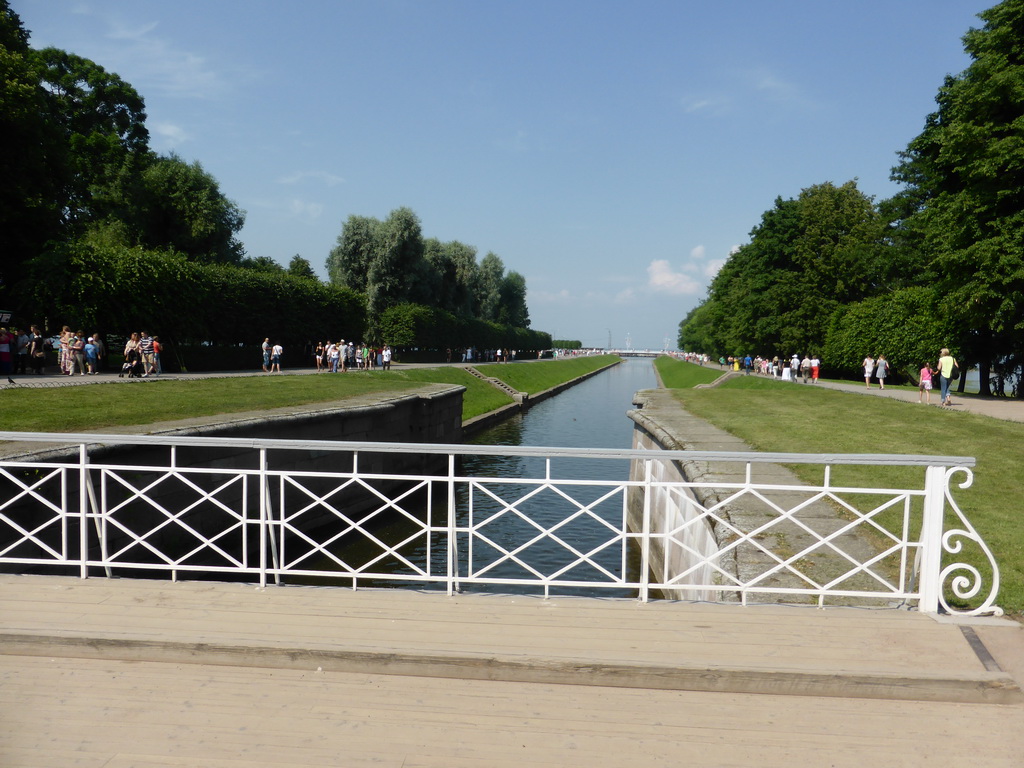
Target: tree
column 348, row 264
column 512, row 309
column 396, row 261
column 29, row 214
column 963, row 201
column 180, row 206
column 806, row 258
column 300, row 267
column 488, row 293
column 261, row 264
column 101, row 121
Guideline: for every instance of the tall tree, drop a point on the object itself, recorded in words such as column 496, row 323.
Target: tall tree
column 806, row 258
column 395, row 263
column 488, row 296
column 348, row 264
column 101, row 120
column 29, row 213
column 300, row 267
column 513, row 310
column 180, row 206
column 963, row 202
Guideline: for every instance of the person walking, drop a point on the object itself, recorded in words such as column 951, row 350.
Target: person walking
column 37, row 351
column 948, row 370
column 881, row 370
column 869, row 370
column 924, row 385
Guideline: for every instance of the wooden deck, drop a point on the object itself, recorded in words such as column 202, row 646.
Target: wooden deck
column 118, row 673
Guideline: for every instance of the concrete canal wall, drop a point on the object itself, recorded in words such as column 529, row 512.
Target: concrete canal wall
column 524, row 402
column 657, row 426
column 662, row 423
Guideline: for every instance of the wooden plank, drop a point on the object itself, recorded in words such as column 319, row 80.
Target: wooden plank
column 226, row 716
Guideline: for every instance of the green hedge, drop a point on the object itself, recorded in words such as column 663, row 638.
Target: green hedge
column 116, row 290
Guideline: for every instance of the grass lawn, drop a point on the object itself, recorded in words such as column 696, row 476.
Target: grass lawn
column 95, row 406
column 538, row 376
column 777, row 416
column 676, row 374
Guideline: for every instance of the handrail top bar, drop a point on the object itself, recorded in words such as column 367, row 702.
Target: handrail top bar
column 877, row 459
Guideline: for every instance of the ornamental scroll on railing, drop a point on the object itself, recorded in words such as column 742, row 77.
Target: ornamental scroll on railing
column 964, row 580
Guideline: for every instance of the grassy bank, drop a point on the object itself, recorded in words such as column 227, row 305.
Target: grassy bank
column 775, row 416
column 537, row 377
column 95, row 406
column 676, row 374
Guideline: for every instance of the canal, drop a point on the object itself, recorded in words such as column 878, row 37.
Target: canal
column 591, row 414
column 512, row 522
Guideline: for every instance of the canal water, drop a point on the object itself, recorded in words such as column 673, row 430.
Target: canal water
column 508, row 511
column 591, row 414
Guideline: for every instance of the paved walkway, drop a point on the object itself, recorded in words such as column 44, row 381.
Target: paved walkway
column 144, row 673
column 1009, row 409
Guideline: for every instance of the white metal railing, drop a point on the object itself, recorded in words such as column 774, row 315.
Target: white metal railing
column 352, row 513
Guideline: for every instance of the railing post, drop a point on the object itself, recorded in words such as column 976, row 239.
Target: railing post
column 83, row 507
column 645, row 535
column 931, row 539
column 453, row 552
column 264, row 521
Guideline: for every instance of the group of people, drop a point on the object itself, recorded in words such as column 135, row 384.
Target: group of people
column 141, row 356
column 947, row 370
column 347, row 355
column 78, row 353
column 21, row 350
column 878, row 369
column 272, row 354
column 807, row 367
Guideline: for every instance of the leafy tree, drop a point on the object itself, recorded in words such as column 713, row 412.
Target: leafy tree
column 180, row 206
column 806, row 258
column 395, row 263
column 902, row 325
column 29, row 214
column 963, row 201
column 489, row 280
column 104, row 140
column 348, row 264
column 512, row 309
column 300, row 267
column 261, row 264
column 463, row 259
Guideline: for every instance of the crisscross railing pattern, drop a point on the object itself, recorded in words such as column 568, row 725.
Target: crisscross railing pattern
column 375, row 513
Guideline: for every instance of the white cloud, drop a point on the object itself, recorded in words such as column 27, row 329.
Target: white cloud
column 327, row 178
column 305, row 210
column 698, row 252
column 712, row 267
column 168, row 135
column 662, row 279
column 714, row 105
column 135, row 50
column 626, row 296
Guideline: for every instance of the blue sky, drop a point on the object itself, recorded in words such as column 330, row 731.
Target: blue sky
column 613, row 153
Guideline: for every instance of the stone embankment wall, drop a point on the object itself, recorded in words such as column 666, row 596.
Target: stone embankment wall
column 671, row 556
column 523, row 402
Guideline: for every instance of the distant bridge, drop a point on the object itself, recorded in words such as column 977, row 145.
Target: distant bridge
column 636, row 352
